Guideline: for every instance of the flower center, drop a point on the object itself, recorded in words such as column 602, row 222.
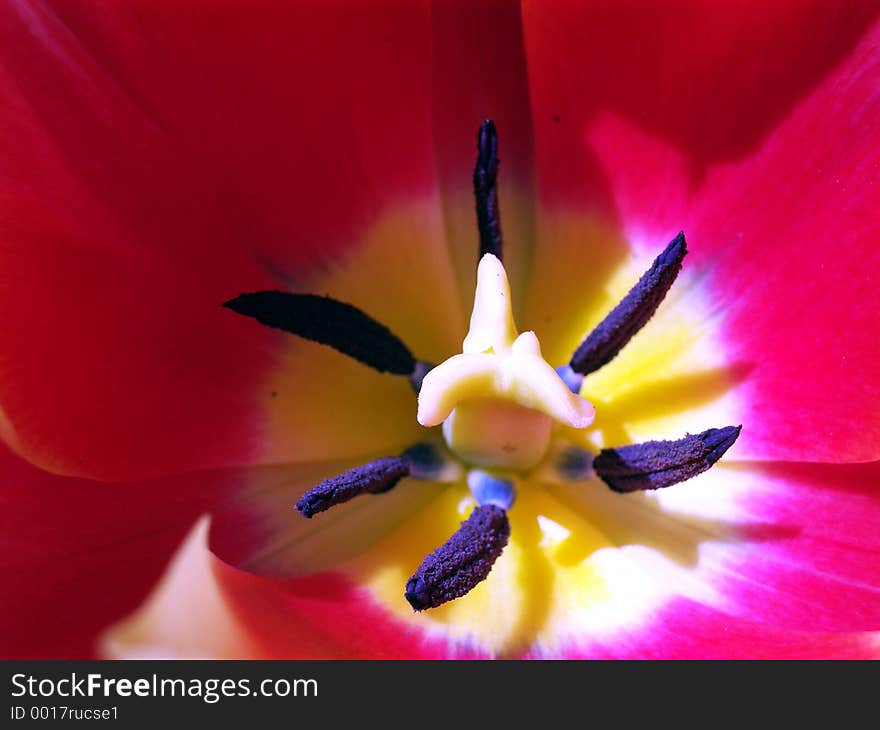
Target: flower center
column 501, row 405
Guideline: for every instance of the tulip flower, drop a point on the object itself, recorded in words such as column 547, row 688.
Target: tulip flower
column 464, row 433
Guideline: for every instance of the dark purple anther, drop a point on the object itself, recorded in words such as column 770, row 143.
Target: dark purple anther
column 635, row 309
column 485, row 191
column 462, row 562
column 330, row 322
column 373, row 478
column 657, row 464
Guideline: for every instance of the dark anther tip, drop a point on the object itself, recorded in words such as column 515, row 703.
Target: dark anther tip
column 671, row 258
column 485, row 192
column 417, row 593
column 330, row 322
column 673, row 255
column 374, row 477
column 633, row 312
column 237, row 304
column 312, row 502
column 487, row 146
column 462, row 562
column 679, row 242
column 658, row 464
column 719, row 440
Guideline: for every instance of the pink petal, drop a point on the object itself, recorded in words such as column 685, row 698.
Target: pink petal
column 788, row 547
column 824, row 575
column 757, row 131
column 689, row 630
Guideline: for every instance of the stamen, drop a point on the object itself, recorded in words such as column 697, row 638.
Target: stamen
column 565, row 463
column 572, row 379
column 657, row 464
column 424, row 462
column 485, row 192
column 574, row 464
column 611, row 335
column 374, row 478
column 490, row 489
column 330, row 322
column 432, row 463
column 462, row 562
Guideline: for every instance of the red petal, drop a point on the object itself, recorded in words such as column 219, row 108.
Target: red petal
column 79, row 555
column 205, row 608
column 83, row 555
column 161, row 159
column 757, row 131
column 479, row 72
column 321, row 617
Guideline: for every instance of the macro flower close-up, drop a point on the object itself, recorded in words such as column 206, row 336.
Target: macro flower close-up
column 388, row 330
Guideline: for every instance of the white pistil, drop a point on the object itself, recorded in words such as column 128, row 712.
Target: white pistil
column 498, row 399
